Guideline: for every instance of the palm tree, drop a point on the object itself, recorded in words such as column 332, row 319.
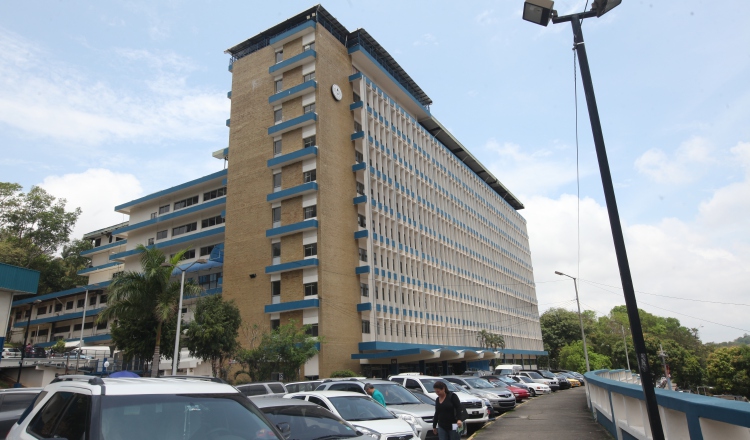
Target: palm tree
column 152, row 291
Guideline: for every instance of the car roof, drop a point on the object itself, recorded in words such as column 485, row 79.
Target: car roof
column 327, row 393
column 133, row 386
column 21, row 390
column 272, row 402
column 414, row 376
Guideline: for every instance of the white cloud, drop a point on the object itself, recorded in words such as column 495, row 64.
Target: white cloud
column 538, row 172
column 486, row 17
column 427, row 40
column 687, row 162
column 46, row 99
column 686, row 259
column 96, row 191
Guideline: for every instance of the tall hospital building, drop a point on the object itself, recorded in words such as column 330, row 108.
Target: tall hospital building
column 345, row 204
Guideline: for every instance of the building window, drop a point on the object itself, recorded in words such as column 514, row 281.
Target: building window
column 363, row 255
column 311, row 289
column 358, row 157
column 308, row 142
column 81, row 303
column 277, row 181
column 61, row 329
column 309, row 77
column 357, row 127
column 153, row 215
column 279, row 56
column 275, row 324
column 366, row 326
column 308, row 108
column 220, row 192
column 310, row 211
column 161, row 235
column 312, row 330
column 116, row 274
column 210, row 281
column 103, row 299
column 213, row 221
column 58, row 307
column 69, row 305
column 206, row 250
column 277, row 147
column 364, row 289
column 151, row 240
column 309, row 176
column 101, row 325
column 275, row 249
column 356, row 97
column 277, row 115
column 163, row 209
column 97, row 242
column 39, row 311
column 275, row 288
column 278, row 85
column 360, row 188
column 190, row 201
column 276, row 215
column 361, row 221
column 184, row 229
column 310, row 46
column 187, row 255
column 92, row 301
column 311, row 250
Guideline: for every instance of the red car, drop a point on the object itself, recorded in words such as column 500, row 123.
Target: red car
column 520, row 393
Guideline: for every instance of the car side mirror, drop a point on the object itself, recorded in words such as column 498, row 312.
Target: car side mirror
column 466, row 387
column 285, row 429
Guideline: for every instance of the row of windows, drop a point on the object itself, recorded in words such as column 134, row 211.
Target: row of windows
column 307, row 176
column 190, row 227
column 308, row 212
column 310, row 250
column 192, row 200
column 278, row 115
column 306, row 143
column 68, row 305
column 309, row 288
column 279, row 54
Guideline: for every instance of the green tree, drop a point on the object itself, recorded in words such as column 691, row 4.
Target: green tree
column 148, row 297
column 59, row 346
column 728, row 370
column 283, row 350
column 343, row 373
column 572, row 358
column 212, row 336
column 34, row 223
column 561, row 327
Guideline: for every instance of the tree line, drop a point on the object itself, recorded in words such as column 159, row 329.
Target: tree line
column 691, row 362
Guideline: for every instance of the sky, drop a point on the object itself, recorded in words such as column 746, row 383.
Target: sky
column 104, row 102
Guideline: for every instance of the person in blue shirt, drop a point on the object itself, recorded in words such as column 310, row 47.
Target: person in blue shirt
column 375, row 394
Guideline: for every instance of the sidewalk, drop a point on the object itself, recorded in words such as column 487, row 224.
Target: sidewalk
column 562, row 415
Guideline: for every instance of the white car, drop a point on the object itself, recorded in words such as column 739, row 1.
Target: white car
column 539, row 388
column 364, row 413
column 11, row 353
column 88, row 407
column 554, row 384
column 475, row 407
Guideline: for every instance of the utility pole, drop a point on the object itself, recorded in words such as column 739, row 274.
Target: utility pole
column 663, row 357
column 625, row 343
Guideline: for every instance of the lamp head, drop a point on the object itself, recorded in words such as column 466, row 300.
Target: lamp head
column 559, row 273
column 603, row 6
column 538, row 11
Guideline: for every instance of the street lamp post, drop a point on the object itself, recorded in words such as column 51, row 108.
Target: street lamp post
column 540, row 12
column 23, row 349
column 580, row 319
column 83, row 324
column 625, row 343
column 179, row 311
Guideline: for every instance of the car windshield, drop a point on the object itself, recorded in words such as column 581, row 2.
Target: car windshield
column 526, row 379
column 534, row 375
column 425, row 398
column 182, row 416
column 478, row 383
column 356, row 408
column 302, row 386
column 309, row 422
column 507, row 379
column 395, row 394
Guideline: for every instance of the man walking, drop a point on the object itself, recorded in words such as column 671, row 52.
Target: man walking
column 375, row 394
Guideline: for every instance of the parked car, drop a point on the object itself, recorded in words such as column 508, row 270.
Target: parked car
column 502, row 399
column 572, row 375
column 550, row 381
column 302, row 420
column 13, row 402
column 262, row 389
column 206, row 378
column 424, row 398
column 573, row 381
column 307, row 385
column 35, row 352
column 11, row 353
column 494, row 380
column 77, row 407
column 425, row 384
column 367, row 415
column 536, row 387
column 561, row 381
column 398, row 400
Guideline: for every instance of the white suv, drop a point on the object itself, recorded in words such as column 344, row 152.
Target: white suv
column 87, row 407
column 425, row 384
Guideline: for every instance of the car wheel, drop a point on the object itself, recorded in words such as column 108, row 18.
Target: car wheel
column 532, row 392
